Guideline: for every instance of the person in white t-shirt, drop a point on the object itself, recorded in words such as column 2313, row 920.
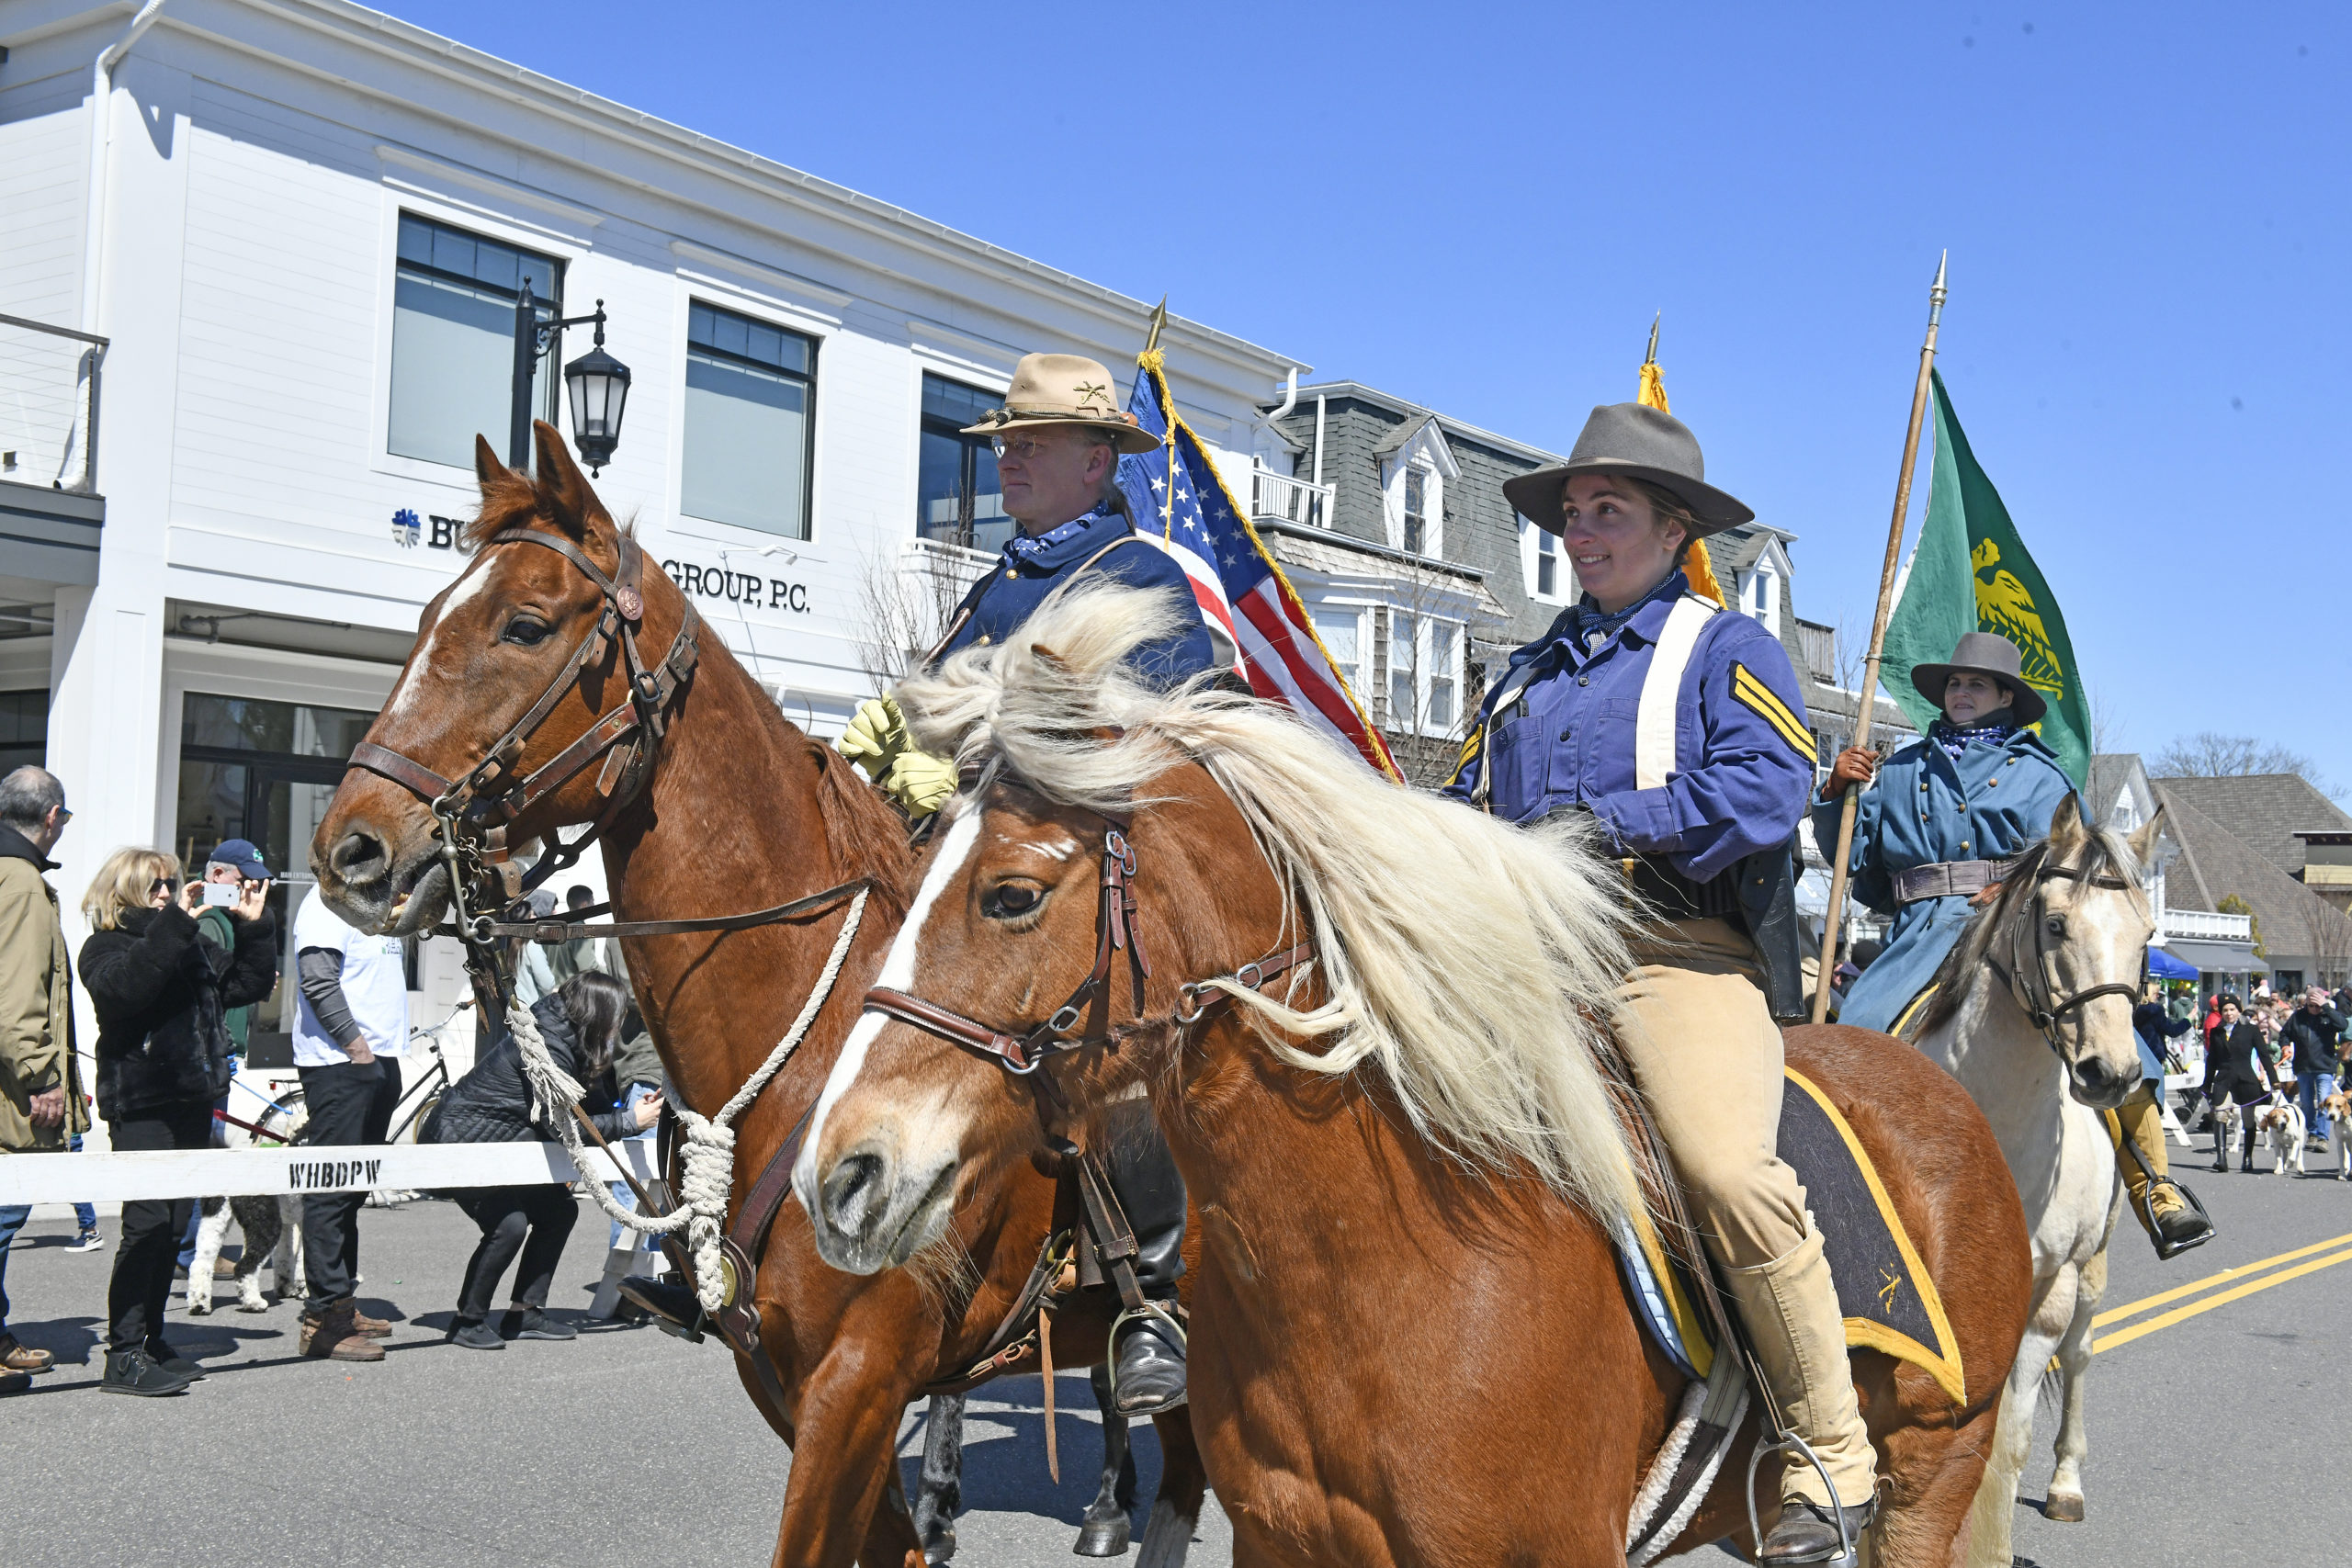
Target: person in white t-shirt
column 348, row 1035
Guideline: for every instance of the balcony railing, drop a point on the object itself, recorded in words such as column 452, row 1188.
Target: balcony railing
column 1280, row 498
column 2203, row 925
column 49, row 405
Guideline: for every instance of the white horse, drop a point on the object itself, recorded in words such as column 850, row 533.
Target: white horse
column 2032, row 1014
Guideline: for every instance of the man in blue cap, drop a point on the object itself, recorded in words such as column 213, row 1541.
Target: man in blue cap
column 1679, row 729
column 233, row 865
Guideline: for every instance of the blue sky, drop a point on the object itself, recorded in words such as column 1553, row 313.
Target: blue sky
column 1480, row 209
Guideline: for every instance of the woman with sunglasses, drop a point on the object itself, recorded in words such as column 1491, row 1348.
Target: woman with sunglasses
column 161, row 994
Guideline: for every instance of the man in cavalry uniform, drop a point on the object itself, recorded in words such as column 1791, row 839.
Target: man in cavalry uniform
column 1058, row 439
column 1681, row 730
column 1930, row 844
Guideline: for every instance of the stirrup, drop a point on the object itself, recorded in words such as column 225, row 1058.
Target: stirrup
column 689, row 1329
column 2167, row 1250
column 1149, row 1309
column 1790, row 1442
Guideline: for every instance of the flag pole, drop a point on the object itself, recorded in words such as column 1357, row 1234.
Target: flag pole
column 1866, row 705
column 1167, row 418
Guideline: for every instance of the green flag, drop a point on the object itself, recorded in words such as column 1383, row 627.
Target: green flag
column 1971, row 573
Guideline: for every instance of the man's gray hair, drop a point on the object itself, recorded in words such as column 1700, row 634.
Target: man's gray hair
column 213, row 865
column 26, row 797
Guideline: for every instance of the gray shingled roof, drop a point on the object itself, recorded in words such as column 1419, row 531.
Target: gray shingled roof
column 2110, row 770
column 2262, row 809
column 2215, row 862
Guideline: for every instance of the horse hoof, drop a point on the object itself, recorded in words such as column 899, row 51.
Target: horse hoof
column 1103, row 1538
column 2063, row 1509
column 939, row 1544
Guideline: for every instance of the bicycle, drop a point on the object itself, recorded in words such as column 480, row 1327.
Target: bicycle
column 428, row 1090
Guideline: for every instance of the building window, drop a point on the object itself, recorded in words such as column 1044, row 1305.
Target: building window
column 1415, row 510
column 1760, row 597
column 1547, row 564
column 750, row 387
column 1340, row 627
column 1445, row 642
column 453, row 340
column 1404, row 669
column 957, row 498
column 24, row 729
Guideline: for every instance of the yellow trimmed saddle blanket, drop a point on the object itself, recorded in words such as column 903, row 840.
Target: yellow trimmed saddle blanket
column 1889, row 1301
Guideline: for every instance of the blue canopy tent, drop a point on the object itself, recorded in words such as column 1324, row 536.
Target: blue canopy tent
column 2162, row 965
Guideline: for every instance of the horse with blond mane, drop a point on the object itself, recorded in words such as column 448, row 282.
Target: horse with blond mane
column 1370, row 1024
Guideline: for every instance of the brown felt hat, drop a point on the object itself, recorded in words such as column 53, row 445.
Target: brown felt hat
column 1641, row 443
column 1982, row 654
column 1063, row 389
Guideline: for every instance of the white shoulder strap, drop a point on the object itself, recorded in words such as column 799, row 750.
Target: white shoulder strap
column 1654, row 722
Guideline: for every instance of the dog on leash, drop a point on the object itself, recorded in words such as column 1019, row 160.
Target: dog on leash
column 2338, row 1110
column 273, row 1225
column 2281, row 1127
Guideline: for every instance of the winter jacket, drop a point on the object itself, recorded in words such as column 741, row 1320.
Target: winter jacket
column 36, row 1003
column 2237, row 1059
column 491, row 1104
column 2316, row 1037
column 160, row 995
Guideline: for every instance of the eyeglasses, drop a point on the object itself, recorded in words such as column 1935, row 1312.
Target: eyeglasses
column 162, row 884
column 1025, row 447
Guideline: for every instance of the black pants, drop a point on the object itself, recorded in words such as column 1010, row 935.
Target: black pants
column 142, row 1284
column 505, row 1214
column 349, row 1103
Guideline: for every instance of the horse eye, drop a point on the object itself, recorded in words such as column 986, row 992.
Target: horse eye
column 525, row 632
column 1011, row 899
column 2057, row 926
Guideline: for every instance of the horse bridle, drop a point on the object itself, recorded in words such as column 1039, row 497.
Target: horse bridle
column 475, row 809
column 1115, row 932
column 2028, row 983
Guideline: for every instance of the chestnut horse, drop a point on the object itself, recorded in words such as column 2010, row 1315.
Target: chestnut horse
column 738, row 810
column 1409, row 1342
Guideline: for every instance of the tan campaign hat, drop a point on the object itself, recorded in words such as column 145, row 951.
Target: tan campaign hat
column 1063, row 389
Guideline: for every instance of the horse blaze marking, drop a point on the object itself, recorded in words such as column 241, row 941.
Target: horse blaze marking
column 318, row 1175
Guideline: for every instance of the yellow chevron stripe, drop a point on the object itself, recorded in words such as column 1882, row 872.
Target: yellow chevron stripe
column 1469, row 749
column 1774, row 712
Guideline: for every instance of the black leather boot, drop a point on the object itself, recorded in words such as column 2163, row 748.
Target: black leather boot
column 1807, row 1533
column 1149, row 1350
column 673, row 1308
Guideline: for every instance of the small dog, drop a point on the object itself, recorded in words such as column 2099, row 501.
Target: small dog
column 273, row 1226
column 2281, row 1127
column 2339, row 1106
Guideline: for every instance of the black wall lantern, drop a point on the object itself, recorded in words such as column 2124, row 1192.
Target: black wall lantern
column 597, row 385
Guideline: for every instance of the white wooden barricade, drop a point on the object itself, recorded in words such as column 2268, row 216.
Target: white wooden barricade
column 226, row 1173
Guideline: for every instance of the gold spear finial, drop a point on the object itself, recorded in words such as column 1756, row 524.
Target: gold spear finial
column 1651, row 358
column 1159, row 320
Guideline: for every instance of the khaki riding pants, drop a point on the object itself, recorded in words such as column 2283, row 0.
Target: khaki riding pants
column 1707, row 1057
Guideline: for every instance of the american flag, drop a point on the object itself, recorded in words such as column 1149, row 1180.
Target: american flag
column 1241, row 591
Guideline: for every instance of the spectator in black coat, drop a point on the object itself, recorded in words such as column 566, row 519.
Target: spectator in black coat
column 581, row 1023
column 160, row 992
column 2314, row 1034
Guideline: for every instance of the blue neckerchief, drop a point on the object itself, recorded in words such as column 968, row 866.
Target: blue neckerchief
column 1954, row 739
column 1591, row 626
column 1021, row 547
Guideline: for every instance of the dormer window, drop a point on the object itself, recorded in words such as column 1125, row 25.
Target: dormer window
column 1416, row 510
column 1547, row 564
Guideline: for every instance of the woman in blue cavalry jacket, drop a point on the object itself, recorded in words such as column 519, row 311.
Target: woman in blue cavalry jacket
column 1978, row 788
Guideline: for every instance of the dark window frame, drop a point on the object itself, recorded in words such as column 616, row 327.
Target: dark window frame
column 550, row 300
column 807, row 380
column 966, row 483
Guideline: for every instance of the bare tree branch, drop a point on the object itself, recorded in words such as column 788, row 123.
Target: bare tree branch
column 2208, row 754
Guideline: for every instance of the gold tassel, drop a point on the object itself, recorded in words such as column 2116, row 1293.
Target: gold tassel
column 1697, row 566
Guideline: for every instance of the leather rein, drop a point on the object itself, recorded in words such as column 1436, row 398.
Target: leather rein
column 2028, row 983
column 1020, row 1054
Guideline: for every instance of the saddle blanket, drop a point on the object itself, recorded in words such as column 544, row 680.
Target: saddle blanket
column 1889, row 1302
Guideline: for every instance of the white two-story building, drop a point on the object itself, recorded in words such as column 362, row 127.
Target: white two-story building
column 287, row 237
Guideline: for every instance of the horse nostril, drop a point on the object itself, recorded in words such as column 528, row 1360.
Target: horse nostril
column 851, row 1190
column 359, row 857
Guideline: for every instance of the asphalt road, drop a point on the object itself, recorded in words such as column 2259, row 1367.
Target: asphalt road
column 2213, row 1432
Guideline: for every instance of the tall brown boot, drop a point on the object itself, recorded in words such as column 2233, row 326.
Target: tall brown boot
column 332, row 1335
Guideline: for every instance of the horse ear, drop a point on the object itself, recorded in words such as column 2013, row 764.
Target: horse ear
column 564, row 495
column 2067, row 830
column 488, row 471
column 2144, row 841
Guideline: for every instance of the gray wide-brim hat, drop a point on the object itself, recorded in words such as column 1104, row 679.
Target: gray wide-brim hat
column 1982, row 654
column 1640, row 442
column 1064, row 390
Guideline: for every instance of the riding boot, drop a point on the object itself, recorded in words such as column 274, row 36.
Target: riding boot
column 1148, row 1346
column 1790, row 1308
column 2245, row 1155
column 2137, row 1126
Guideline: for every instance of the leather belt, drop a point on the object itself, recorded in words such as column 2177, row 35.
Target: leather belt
column 1654, row 884
column 1951, row 879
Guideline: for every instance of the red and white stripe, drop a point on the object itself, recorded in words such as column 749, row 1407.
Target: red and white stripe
column 1208, row 591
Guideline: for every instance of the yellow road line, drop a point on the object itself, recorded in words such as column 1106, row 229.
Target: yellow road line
column 2132, row 1309
column 2179, row 1314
